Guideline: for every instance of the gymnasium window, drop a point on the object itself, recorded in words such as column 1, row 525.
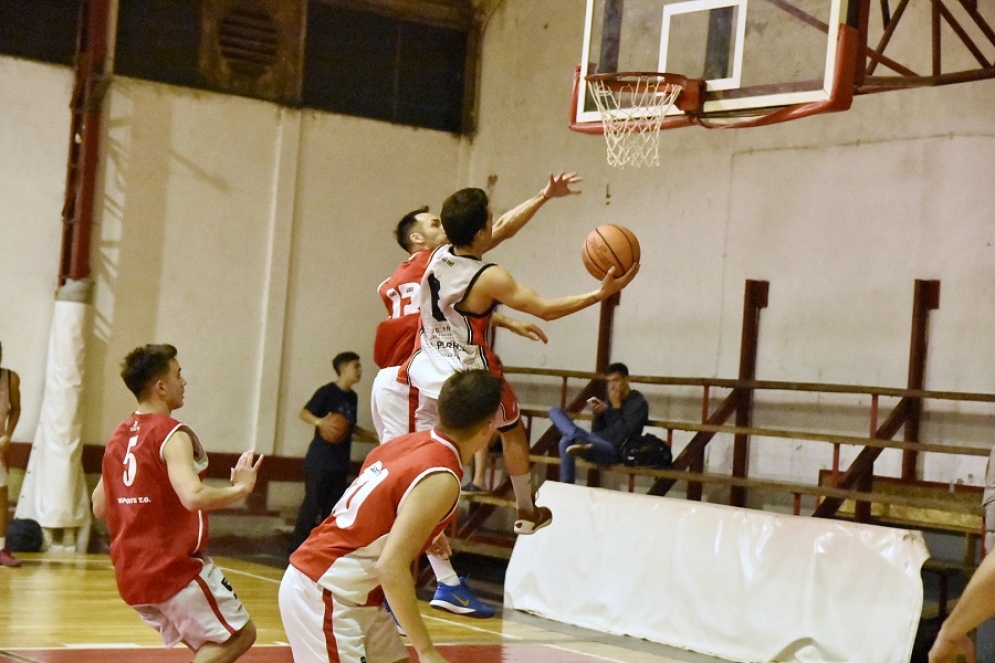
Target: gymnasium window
column 401, row 62
column 158, row 40
column 384, row 67
column 39, row 30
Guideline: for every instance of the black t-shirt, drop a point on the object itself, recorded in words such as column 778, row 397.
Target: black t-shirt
column 321, row 455
column 625, row 423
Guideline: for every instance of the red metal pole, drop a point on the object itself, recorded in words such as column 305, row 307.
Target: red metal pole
column 756, row 299
column 84, row 139
column 926, row 299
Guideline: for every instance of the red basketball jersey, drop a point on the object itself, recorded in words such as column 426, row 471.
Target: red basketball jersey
column 400, row 294
column 156, row 543
column 340, row 554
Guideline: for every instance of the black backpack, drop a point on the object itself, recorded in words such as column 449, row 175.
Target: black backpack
column 24, row 535
column 646, row 451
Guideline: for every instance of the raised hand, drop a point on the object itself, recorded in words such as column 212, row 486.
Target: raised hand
column 245, row 471
column 559, row 185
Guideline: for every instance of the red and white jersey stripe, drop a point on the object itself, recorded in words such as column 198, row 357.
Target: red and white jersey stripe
column 341, row 553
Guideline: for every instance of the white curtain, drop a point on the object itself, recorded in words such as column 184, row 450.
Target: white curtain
column 54, row 491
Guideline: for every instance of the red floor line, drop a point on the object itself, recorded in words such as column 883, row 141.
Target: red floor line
column 475, row 653
column 8, row 657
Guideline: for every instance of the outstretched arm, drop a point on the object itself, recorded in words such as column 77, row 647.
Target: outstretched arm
column 515, row 219
column 526, row 329
column 497, row 284
column 974, row 607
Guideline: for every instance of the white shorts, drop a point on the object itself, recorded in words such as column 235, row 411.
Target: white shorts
column 322, row 628
column 393, row 405
column 427, row 411
column 398, row 408
column 206, row 610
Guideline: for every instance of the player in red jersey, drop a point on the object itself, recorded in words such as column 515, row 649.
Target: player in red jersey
column 331, row 596
column 151, row 493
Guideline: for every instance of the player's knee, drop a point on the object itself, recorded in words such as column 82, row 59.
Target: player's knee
column 245, row 638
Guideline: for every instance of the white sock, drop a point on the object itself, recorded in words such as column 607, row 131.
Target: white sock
column 522, row 484
column 445, row 574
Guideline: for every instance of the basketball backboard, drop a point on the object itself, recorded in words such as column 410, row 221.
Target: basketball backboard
column 754, row 55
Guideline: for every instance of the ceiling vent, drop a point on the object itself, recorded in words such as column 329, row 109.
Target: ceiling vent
column 254, row 47
column 249, row 41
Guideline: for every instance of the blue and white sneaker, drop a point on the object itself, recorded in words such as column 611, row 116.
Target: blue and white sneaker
column 460, row 600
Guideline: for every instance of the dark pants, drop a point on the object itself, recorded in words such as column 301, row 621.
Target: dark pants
column 321, row 491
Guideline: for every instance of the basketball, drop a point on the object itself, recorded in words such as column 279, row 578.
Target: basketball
column 610, row 246
column 339, row 427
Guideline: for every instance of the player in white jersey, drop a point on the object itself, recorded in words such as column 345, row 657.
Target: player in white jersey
column 419, row 232
column 459, row 294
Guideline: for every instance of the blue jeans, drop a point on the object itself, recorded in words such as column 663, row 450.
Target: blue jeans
column 602, row 452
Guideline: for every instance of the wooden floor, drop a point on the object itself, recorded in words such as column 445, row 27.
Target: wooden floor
column 60, row 607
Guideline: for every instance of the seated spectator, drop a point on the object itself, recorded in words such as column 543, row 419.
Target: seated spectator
column 620, row 419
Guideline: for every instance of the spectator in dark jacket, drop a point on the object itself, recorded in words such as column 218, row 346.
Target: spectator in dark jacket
column 621, row 418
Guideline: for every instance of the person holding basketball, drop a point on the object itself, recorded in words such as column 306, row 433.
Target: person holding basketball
column 332, row 594
column 419, row 232
column 152, row 494
column 332, row 412
column 456, row 309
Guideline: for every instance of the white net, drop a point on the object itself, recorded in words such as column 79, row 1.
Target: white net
column 633, row 108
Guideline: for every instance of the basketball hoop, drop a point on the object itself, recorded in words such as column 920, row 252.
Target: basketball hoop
column 633, row 106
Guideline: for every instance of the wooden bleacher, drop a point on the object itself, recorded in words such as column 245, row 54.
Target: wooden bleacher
column 914, row 504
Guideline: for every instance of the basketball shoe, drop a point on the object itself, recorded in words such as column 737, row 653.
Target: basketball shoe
column 530, row 522
column 460, row 600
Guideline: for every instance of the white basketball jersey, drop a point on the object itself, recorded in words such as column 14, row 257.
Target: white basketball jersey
column 450, row 341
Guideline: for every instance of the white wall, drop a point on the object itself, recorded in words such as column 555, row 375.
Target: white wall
column 357, row 179
column 251, row 237
column 34, row 137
